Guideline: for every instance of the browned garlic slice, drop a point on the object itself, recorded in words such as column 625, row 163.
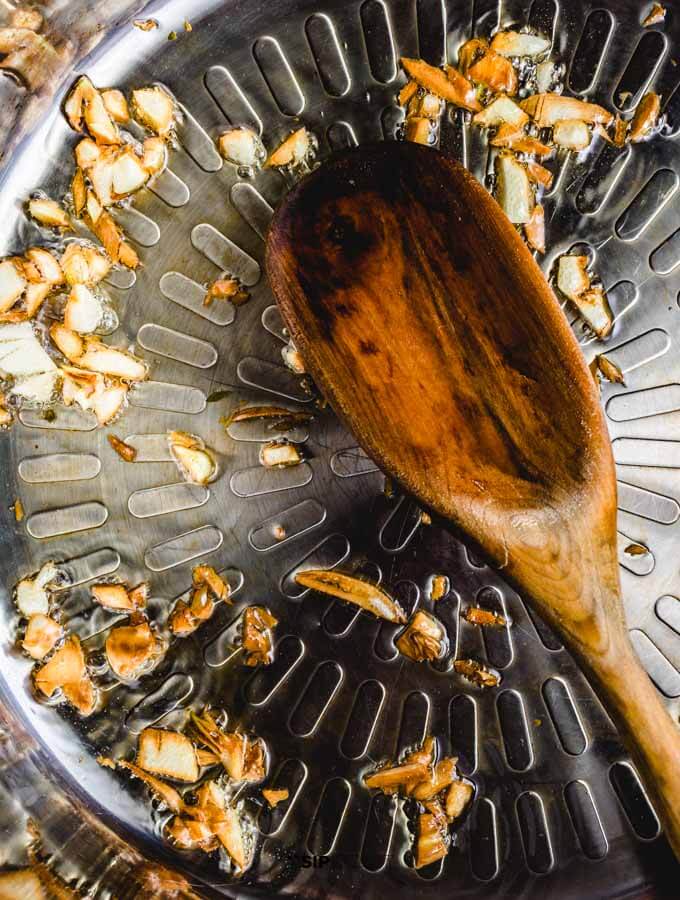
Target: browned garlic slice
column 353, row 590
column 120, row 597
column 154, row 108
column 294, row 150
column 443, row 774
column 495, row 72
column 645, row 118
column 539, row 174
column 591, row 301
column 116, row 106
column 190, row 834
column 280, row 454
column 194, row 459
column 608, row 369
column 534, row 229
column 132, row 650
column 145, row 24
column 241, row 757
column 66, row 669
column 458, row 797
column 439, row 587
column 99, row 357
column 572, row 276
column 279, row 415
column 293, row 359
column 391, row 779
column 167, row 753
column 82, row 264
column 226, row 289
column 432, row 838
column 125, row 451
column 46, row 265
column 476, row 672
column 186, row 617
column 32, row 594
column 548, row 109
column 501, row 111
column 154, row 155
column 85, row 102
column 242, row 147
column 257, row 635
column 450, row 85
column 571, row 134
column 424, row 638
column 165, row 793
column 519, row 43
column 513, row 189
column 484, row 617
column 655, row 16
column 223, row 820
column 274, row 797
column 48, row 212
column 419, row 130
column 42, row 634
column 208, row 576
column 424, row 105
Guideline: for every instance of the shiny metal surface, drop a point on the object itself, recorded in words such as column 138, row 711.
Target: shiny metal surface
column 558, row 811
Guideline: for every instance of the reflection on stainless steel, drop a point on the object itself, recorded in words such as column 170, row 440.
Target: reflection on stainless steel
column 556, row 800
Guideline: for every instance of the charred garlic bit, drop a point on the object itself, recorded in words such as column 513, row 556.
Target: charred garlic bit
column 274, row 797
column 476, row 673
column 293, row 359
column 48, row 213
column 66, row 670
column 353, row 590
column 280, row 454
column 448, row 84
column 242, row 757
column 32, row 595
column 257, row 635
column 195, row 461
column 423, row 639
column 242, row 147
column 120, row 597
column 155, row 109
column 655, row 16
column 125, row 451
column 513, row 189
column 134, row 649
column 226, row 289
column 645, row 118
column 591, row 301
column 42, row 635
column 484, row 617
column 167, row 753
column 296, row 151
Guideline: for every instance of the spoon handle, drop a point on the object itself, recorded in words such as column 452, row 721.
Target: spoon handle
column 650, row 734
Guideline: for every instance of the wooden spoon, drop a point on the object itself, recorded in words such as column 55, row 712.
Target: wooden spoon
column 431, row 330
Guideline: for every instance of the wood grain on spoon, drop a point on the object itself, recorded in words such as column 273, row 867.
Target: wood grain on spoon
column 433, row 333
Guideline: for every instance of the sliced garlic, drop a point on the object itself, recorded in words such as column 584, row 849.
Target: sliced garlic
column 32, row 594
column 513, row 189
column 293, row 151
column 66, row 669
column 450, row 85
column 128, row 174
column 195, row 461
column 501, row 111
column 116, row 106
column 548, row 109
column 154, row 155
column 353, row 590
column 48, row 212
column 36, row 388
column 293, row 359
column 42, row 634
column 167, row 753
column 12, row 284
column 87, row 153
column 132, row 650
column 83, row 311
column 153, row 108
column 572, row 275
column 571, row 134
column 99, row 357
column 46, row 264
column 21, row 353
column 277, row 454
column 518, row 43
column 242, row 147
